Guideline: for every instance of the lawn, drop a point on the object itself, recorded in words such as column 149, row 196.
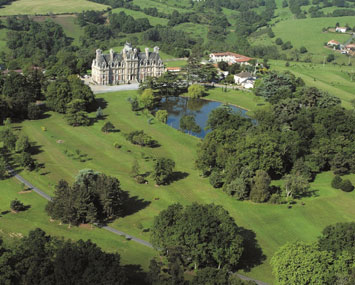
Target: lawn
column 13, row 226
column 308, row 33
column 335, row 79
column 274, row 225
column 32, row 7
column 175, row 63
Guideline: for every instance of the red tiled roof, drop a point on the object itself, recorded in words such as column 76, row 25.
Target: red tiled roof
column 173, row 68
column 333, row 42
column 350, row 46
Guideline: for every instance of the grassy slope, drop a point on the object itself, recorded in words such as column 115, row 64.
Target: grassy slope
column 14, row 225
column 31, row 7
column 138, row 14
column 274, row 225
column 308, row 33
column 166, row 7
column 3, row 37
column 334, row 79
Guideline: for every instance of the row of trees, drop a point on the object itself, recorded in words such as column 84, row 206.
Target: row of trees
column 303, row 132
column 329, row 260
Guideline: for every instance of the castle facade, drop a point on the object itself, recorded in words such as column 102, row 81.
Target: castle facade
column 129, row 66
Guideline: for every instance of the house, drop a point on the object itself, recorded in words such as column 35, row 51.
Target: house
column 245, row 79
column 229, row 57
column 350, row 47
column 333, row 43
column 341, row 29
column 128, row 66
column 173, row 69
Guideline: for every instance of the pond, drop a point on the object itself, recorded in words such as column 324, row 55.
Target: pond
column 178, row 107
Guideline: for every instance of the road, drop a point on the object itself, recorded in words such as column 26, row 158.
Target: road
column 107, row 228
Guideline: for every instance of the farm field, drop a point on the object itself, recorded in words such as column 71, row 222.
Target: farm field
column 308, row 33
column 335, row 79
column 274, row 225
column 32, row 7
column 13, row 226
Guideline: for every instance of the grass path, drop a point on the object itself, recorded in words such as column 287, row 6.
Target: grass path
column 274, row 225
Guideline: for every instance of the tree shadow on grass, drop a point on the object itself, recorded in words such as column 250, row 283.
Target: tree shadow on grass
column 178, row 175
column 252, row 254
column 311, row 193
column 35, row 149
column 135, row 274
column 133, row 205
column 99, row 102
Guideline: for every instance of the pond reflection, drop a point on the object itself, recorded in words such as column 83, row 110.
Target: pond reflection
column 178, row 107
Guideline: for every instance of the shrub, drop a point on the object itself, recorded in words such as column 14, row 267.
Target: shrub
column 216, row 179
column 275, row 199
column 17, row 206
column 162, row 116
column 303, row 50
column 141, row 138
column 140, row 179
column 117, row 145
column 347, row 186
column 278, row 41
column 330, row 57
column 107, row 127
column 336, row 182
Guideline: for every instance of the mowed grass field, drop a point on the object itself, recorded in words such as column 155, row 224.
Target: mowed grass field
column 308, row 33
column 335, row 79
column 274, row 225
column 138, row 14
column 14, row 226
column 32, row 7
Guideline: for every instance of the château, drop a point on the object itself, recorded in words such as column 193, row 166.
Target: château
column 129, row 66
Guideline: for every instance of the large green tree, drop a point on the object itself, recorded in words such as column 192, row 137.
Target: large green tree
column 206, row 235
column 163, row 170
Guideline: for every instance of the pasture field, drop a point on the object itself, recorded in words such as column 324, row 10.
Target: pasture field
column 13, row 226
column 3, row 38
column 32, row 7
column 308, row 33
column 162, row 6
column 335, row 79
column 138, row 14
column 175, row 63
column 274, row 225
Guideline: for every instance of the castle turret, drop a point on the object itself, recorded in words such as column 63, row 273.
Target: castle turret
column 98, row 55
column 147, row 53
column 156, row 50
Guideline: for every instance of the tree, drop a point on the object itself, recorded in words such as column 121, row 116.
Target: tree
column 336, row 182
column 75, row 113
column 34, row 111
column 260, row 187
column 107, row 127
column 135, row 168
column 188, row 123
column 206, row 234
column 25, row 160
column 8, row 138
column 222, row 65
column 279, row 41
column 302, row 263
column 3, row 169
column 23, row 144
column 216, row 179
column 347, row 186
column 238, row 189
column 141, row 138
column 147, row 98
column 196, row 91
column 163, row 170
column 17, row 206
column 162, row 116
column 303, row 49
column 330, row 57
column 295, row 185
column 338, row 238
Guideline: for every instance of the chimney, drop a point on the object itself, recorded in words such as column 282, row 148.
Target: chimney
column 112, row 54
column 147, row 53
column 156, row 50
column 98, row 55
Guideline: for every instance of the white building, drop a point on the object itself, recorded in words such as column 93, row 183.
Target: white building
column 229, row 57
column 341, row 29
column 245, row 79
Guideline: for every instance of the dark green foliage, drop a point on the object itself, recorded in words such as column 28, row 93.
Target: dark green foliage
column 3, row 169
column 303, row 49
column 42, row 259
column 279, row 41
column 163, row 171
column 141, row 138
column 286, row 45
column 34, row 111
column 346, row 185
column 223, row 65
column 94, row 197
column 23, row 144
column 330, row 57
column 260, row 188
column 63, row 90
column 8, row 138
column 337, row 182
column 75, row 113
column 205, row 234
column 107, row 127
column 188, row 123
column 25, row 160
column 216, row 179
column 337, row 238
column 17, row 206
